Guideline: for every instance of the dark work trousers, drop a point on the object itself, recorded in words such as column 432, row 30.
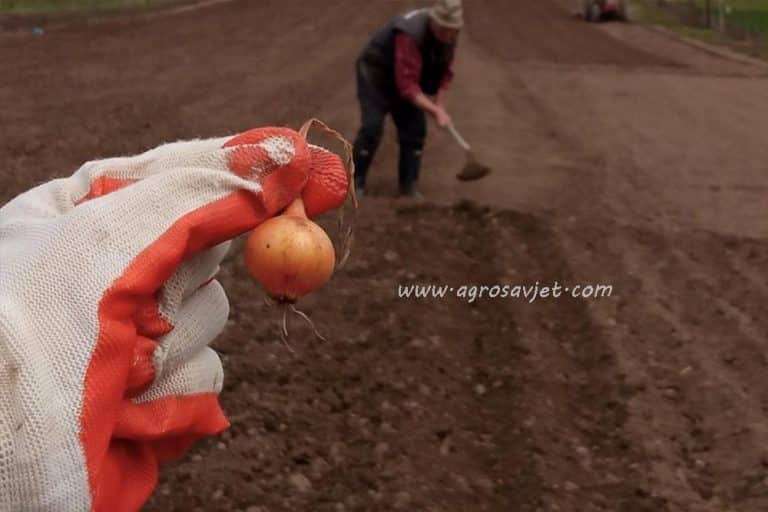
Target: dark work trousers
column 411, row 126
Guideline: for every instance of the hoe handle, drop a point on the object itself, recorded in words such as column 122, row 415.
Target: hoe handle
column 459, row 139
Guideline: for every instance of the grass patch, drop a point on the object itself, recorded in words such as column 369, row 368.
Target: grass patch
column 756, row 21
column 38, row 6
column 702, row 34
column 649, row 11
column 748, row 14
column 645, row 12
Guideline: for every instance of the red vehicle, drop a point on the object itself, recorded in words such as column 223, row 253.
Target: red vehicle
column 596, row 10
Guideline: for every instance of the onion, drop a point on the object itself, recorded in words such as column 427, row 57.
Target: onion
column 290, row 255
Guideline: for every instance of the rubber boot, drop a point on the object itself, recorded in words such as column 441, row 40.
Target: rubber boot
column 409, row 166
column 363, row 158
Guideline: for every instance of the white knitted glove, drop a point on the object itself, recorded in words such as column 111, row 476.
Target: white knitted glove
column 108, row 304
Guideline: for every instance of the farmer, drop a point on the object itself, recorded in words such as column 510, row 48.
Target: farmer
column 108, row 302
column 405, row 71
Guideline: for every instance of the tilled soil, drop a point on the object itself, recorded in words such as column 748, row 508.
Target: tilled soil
column 621, row 156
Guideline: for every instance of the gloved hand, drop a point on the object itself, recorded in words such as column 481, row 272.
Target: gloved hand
column 108, row 304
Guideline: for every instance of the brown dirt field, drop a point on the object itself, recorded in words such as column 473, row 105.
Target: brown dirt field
column 621, row 156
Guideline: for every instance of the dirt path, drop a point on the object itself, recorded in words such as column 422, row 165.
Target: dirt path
column 621, row 156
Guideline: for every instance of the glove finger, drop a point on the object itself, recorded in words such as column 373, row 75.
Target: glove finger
column 198, row 322
column 155, row 316
column 201, row 373
column 147, row 433
column 175, row 403
column 196, row 272
column 192, row 275
column 101, row 177
column 328, row 184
